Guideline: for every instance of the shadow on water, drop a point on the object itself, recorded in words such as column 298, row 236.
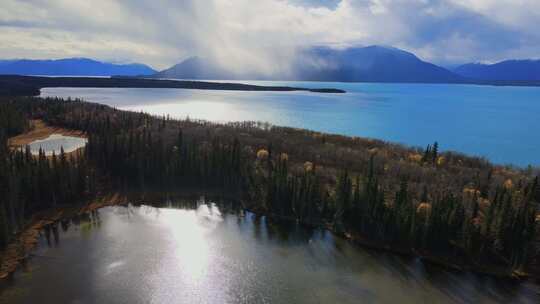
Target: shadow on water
column 286, row 231
column 460, row 287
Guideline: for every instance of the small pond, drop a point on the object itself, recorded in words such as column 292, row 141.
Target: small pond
column 55, row 142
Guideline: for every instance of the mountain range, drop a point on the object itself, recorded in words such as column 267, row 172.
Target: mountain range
column 72, row 67
column 355, row 64
column 366, row 64
column 524, row 70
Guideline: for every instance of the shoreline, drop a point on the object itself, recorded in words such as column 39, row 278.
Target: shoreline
column 40, row 130
column 432, row 259
column 18, row 252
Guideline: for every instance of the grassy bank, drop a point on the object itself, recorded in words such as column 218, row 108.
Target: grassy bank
column 40, row 130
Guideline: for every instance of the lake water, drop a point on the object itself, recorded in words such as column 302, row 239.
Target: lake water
column 499, row 123
column 55, row 142
column 203, row 255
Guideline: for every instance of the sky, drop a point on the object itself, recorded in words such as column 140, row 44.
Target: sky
column 263, row 35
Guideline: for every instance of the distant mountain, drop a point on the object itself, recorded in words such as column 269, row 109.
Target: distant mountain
column 369, row 64
column 524, row 70
column 72, row 67
column 195, row 68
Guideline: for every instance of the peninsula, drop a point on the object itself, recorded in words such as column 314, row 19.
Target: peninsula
column 31, row 85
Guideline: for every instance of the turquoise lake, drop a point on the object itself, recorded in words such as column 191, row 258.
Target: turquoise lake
column 499, row 123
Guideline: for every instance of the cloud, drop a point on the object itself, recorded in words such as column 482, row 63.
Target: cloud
column 517, row 14
column 262, row 35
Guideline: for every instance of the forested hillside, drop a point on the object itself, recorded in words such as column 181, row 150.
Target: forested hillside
column 448, row 205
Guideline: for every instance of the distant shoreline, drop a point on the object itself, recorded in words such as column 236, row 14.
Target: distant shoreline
column 19, row 85
column 31, row 85
column 466, row 81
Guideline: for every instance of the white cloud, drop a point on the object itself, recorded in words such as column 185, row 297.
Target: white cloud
column 520, row 14
column 263, row 35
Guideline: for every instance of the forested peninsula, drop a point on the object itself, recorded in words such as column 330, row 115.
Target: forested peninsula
column 455, row 210
column 16, row 85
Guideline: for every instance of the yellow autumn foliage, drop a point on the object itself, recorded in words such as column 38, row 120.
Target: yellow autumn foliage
column 262, row 154
column 415, row 157
column 471, row 191
column 317, row 136
column 441, row 161
column 308, row 166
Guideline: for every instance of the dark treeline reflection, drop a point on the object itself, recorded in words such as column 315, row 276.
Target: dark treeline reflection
column 242, row 254
column 447, row 205
column 264, row 228
column 85, row 221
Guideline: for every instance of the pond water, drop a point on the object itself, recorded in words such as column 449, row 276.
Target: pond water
column 55, row 142
column 205, row 255
column 494, row 122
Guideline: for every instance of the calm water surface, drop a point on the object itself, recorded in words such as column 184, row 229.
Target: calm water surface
column 201, row 255
column 55, row 143
column 499, row 123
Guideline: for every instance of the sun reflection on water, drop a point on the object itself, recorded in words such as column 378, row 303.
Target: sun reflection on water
column 190, row 231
